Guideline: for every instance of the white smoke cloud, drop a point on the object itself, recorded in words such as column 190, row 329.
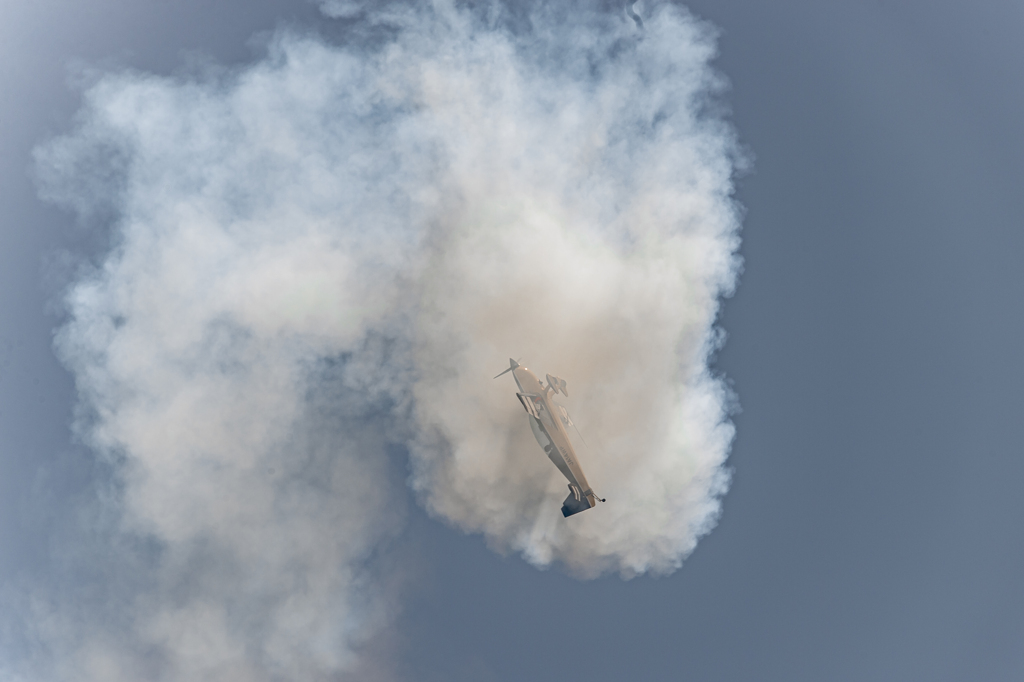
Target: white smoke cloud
column 586, row 226
column 329, row 253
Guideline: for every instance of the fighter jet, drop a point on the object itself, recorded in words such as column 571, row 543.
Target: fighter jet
column 548, row 421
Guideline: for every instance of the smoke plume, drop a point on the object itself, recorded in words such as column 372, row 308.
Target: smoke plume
column 321, row 260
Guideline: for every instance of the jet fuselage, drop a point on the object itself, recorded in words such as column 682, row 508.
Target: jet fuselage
column 548, row 422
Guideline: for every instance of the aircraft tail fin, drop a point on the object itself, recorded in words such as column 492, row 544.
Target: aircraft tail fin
column 576, row 502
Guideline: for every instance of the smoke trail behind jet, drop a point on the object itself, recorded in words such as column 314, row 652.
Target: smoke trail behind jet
column 328, row 254
column 586, row 225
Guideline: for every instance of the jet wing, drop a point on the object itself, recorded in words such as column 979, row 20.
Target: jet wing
column 527, row 399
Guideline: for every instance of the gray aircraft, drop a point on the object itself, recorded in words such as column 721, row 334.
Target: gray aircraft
column 548, row 421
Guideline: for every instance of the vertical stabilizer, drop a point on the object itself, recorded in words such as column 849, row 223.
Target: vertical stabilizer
column 576, row 502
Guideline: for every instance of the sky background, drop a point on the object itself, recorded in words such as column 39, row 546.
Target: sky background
column 872, row 529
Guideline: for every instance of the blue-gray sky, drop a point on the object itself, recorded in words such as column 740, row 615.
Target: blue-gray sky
column 872, row 526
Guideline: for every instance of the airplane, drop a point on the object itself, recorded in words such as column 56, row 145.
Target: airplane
column 548, row 421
